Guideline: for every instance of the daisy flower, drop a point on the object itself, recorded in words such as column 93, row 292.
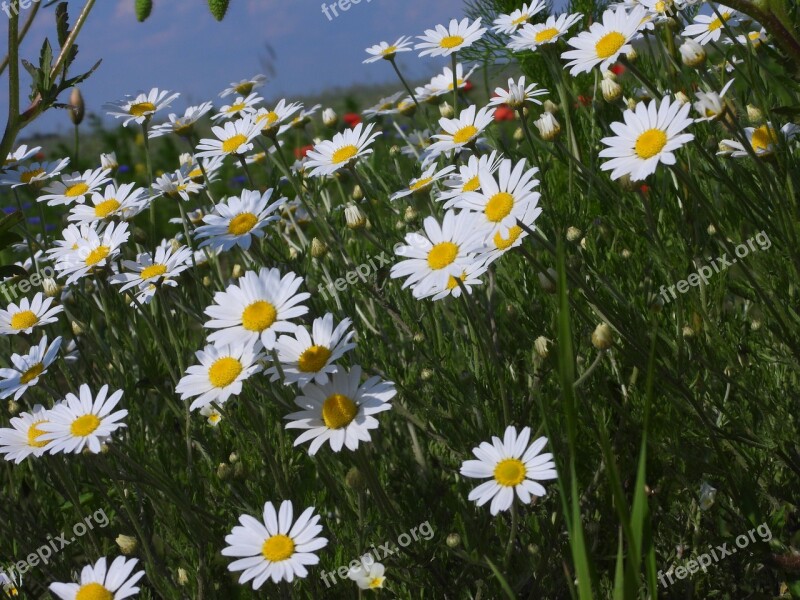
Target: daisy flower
column 470, row 276
column 212, row 415
column 279, row 548
column 754, row 38
column 29, row 314
column 385, row 106
column 220, row 374
column 424, row 182
column 443, row 41
column 278, row 120
column 28, row 368
column 368, row 575
column 146, row 270
column 442, row 83
column 142, row 107
column 95, row 251
column 85, row 422
column 605, row 40
column 244, row 87
column 763, row 141
column 178, row 184
column 306, row 358
column 75, row 187
column 342, row 151
column 503, row 200
column 710, row 105
column 467, row 179
column 445, row 250
column 33, row 174
column 299, row 122
column 240, row 108
column 708, row 28
column 182, row 126
column 648, row 137
column 513, row 466
column 123, row 202
column 517, row 94
column 238, row 219
column 257, row 308
column 191, row 168
column 20, row 154
column 462, row 131
column 533, row 35
column 22, row 439
column 340, row 411
column 385, row 51
column 233, row 138
column 508, row 24
column 499, row 244
column 101, row 582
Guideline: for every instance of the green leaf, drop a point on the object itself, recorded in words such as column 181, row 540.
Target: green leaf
column 503, row 583
column 62, row 23
column 45, row 64
column 11, row 220
column 80, row 78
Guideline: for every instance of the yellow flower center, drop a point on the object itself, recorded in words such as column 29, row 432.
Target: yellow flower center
column 153, row 271
column 79, row 189
column 451, row 41
column 105, row 208
column 472, row 185
column 376, row 583
column 259, row 316
column 231, row 145
column 31, row 373
column 504, row 243
column 33, row 435
column 142, row 108
column 277, row 548
column 241, row 224
column 338, row 411
column 182, row 128
column 609, row 44
column 763, row 138
column 441, row 255
column 389, row 50
column 195, row 174
column 344, row 154
column 28, row 175
column 452, row 283
column 717, row 22
column 93, row 591
column 224, row 371
column 85, row 425
column 313, row 359
column 520, row 20
column 24, row 320
column 465, row 134
column 420, row 184
column 450, row 85
column 509, row 472
column 545, row 35
column 96, row 255
column 269, row 117
column 499, row 206
column 660, row 7
column 650, row 143
column 234, row 108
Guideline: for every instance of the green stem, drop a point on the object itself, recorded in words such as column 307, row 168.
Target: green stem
column 455, row 83
column 402, row 79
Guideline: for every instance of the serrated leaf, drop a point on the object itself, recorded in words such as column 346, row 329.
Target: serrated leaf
column 62, row 23
column 80, row 78
column 45, row 64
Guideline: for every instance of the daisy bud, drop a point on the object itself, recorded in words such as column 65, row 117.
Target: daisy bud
column 395, row 151
column 236, row 271
column 711, row 230
column 519, row 135
column 175, row 245
column 329, row 117
column 574, row 234
column 109, row 161
column 207, row 281
column 540, row 345
column 603, row 337
column 687, row 331
column 318, row 248
column 410, row 214
column 682, row 98
column 609, row 75
column 77, row 329
column 583, row 243
column 127, row 544
column 426, row 374
column 755, row 324
column 13, row 407
column 182, row 576
column 548, row 281
column 692, row 54
column 631, row 54
column 707, row 496
column 293, row 252
column 233, row 458
column 754, row 114
column 548, row 127
column 550, row 107
column 238, row 470
column 358, row 193
column 355, row 480
column 354, row 217
column 406, row 107
column 400, row 225
column 611, row 90
column 626, row 254
column 453, row 540
column 224, row 471
column 77, row 106
column 418, row 338
column 51, row 287
column 631, row 103
column 446, row 110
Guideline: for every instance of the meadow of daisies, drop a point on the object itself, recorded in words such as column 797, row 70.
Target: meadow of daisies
column 267, row 339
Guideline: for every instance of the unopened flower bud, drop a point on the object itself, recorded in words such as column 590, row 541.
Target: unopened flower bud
column 548, row 281
column 548, row 126
column 127, row 544
column 540, row 345
column 237, row 271
column 611, row 90
column 574, row 234
column 631, row 54
column 682, row 98
column 357, row 193
column 754, row 115
column 602, row 337
column 355, row 480
column 318, row 248
column 550, row 107
column 693, row 54
column 519, row 135
column 426, row 374
column 223, row 471
column 182, row 576
column 51, row 287
column 329, row 117
column 14, row 407
column 109, row 161
column 446, row 110
column 354, row 217
column 77, row 106
column 453, row 540
column 77, row 328
column 410, row 214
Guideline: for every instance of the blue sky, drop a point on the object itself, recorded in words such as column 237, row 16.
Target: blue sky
column 182, row 48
